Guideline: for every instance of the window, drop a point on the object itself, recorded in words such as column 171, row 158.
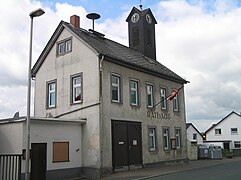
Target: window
column 134, row 92
column 236, row 144
column 68, row 45
column 115, row 88
column 76, row 88
column 149, row 95
column 175, row 103
column 194, row 136
column 64, row 46
column 152, row 139
column 61, row 48
column 234, row 131
column 51, row 94
column 148, row 37
column 60, row 152
column 166, row 138
column 135, row 36
column 163, row 98
column 218, row 132
column 178, row 138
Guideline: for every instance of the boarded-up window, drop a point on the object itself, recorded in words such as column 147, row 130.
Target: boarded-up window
column 60, row 151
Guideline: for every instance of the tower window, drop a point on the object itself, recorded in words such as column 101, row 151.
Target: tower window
column 148, row 37
column 135, row 36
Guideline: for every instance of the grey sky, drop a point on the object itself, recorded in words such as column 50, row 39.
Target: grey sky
column 199, row 40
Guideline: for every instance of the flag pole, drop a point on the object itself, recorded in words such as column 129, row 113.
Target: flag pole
column 166, row 98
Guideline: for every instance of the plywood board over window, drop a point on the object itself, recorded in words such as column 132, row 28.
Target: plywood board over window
column 60, row 152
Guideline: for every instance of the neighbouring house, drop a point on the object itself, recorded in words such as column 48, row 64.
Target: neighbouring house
column 193, row 134
column 194, row 138
column 95, row 103
column 226, row 133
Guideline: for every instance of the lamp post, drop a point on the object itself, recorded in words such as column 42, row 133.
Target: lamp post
column 35, row 13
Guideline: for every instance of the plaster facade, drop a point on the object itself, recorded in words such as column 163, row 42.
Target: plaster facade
column 97, row 106
column 13, row 136
column 191, row 130
column 124, row 111
column 225, row 133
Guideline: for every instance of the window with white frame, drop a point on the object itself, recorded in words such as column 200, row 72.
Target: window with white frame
column 68, row 45
column 218, row 131
column 152, row 139
column 61, row 48
column 149, row 95
column 178, row 138
column 175, row 103
column 134, row 92
column 115, row 88
column 163, row 98
column 234, row 131
column 76, row 88
column 237, row 144
column 51, row 94
column 166, row 138
column 64, row 46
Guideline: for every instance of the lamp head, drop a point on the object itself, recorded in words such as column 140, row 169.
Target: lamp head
column 36, row 13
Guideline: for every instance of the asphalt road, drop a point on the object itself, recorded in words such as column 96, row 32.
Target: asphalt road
column 227, row 171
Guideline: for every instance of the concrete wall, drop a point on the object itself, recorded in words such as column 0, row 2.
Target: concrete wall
column 11, row 138
column 192, row 150
column 190, row 131
column 232, row 121
column 124, row 111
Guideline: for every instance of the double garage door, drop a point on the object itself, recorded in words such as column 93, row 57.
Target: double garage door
column 126, row 144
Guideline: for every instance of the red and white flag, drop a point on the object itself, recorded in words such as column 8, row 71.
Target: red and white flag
column 174, row 93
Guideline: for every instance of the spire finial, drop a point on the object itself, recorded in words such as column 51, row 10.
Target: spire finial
column 140, row 5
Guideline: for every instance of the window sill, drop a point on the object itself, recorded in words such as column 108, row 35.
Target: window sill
column 153, row 151
column 76, row 103
column 51, row 107
column 61, row 161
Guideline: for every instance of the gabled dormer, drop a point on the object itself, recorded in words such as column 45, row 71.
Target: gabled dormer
column 141, row 30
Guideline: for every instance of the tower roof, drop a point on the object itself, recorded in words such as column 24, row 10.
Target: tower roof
column 142, row 12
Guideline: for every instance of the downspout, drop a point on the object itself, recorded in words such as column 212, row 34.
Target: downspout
column 101, row 57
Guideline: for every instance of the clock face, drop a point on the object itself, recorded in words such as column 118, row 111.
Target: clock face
column 135, row 17
column 148, row 18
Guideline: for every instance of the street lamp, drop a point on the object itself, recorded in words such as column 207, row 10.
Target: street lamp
column 35, row 13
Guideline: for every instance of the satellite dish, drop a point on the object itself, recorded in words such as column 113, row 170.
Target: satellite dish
column 93, row 16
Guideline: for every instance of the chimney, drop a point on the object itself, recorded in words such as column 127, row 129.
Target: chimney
column 75, row 20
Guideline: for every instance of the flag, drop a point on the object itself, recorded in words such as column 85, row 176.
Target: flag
column 173, row 94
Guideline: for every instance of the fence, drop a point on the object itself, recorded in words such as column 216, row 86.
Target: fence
column 10, row 167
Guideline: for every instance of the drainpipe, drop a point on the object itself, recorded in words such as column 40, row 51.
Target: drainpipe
column 101, row 61
column 101, row 112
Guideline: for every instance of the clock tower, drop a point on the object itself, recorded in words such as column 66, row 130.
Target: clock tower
column 141, row 29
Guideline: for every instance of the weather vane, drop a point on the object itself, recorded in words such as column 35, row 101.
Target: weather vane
column 140, row 5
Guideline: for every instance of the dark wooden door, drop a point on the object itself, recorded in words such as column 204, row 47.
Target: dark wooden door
column 38, row 161
column 119, row 144
column 126, row 144
column 135, row 145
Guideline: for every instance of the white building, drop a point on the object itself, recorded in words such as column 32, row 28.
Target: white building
column 226, row 133
column 193, row 135
column 111, row 91
column 194, row 138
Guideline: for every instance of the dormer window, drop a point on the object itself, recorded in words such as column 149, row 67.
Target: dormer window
column 64, row 46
